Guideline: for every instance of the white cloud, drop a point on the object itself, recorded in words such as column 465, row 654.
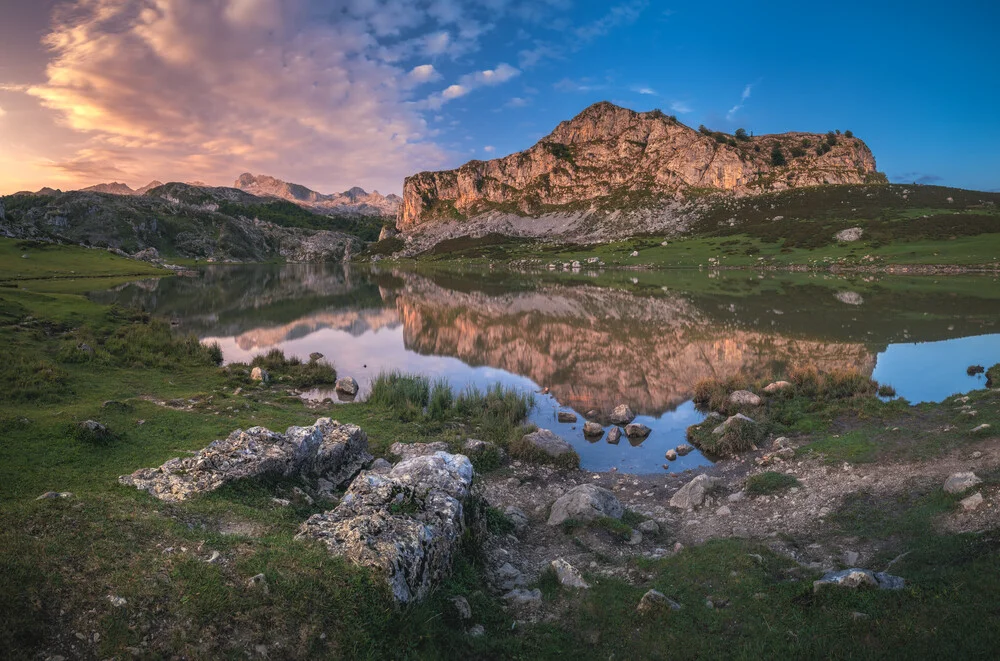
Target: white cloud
column 517, row 102
column 489, row 149
column 680, row 106
column 644, row 90
column 454, row 91
column 623, row 14
column 501, row 74
column 731, row 115
column 424, row 73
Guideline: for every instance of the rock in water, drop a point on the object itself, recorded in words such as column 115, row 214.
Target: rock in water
column 622, row 415
column 959, row 482
column 566, row 416
column 635, row 430
column 346, row 386
column 671, row 455
column 585, row 503
column 407, row 524
column 684, row 449
column 568, row 574
column 326, row 449
column 593, row 430
column 744, row 398
column 614, row 435
column 693, row 493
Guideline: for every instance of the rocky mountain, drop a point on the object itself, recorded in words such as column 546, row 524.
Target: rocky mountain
column 356, row 201
column 609, row 160
column 180, row 220
column 116, row 188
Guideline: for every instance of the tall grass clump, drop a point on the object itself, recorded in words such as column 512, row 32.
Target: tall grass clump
column 151, row 343
column 713, row 394
column 406, row 394
column 496, row 413
column 291, row 368
column 440, row 400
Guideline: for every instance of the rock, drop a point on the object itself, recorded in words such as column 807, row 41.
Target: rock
column 380, row 465
column 566, row 416
column 724, row 511
column 779, row 443
column 117, row 602
column 524, row 599
column 649, row 527
column 622, row 415
column 744, row 398
column 849, row 297
column 508, row 577
column 592, row 414
column 972, row 502
column 851, row 558
column 473, row 447
column 777, row 386
column 855, row 578
column 326, row 449
column 260, row 374
column 684, row 449
column 585, row 503
column 959, row 482
column 693, row 493
column 49, row 495
column 462, row 607
column 634, row 253
column 517, row 517
column 476, row 630
column 982, row 427
column 549, row 443
column 347, row 386
column 736, row 497
column 406, row 524
column 593, row 429
column 636, row 430
column 314, row 356
column 614, row 435
column 634, row 538
column 95, row 430
column 409, row 450
column 568, row 575
column 655, row 601
column 671, row 455
column 739, row 418
column 848, row 235
column 258, row 582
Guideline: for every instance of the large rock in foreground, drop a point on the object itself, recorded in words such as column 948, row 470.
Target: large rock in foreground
column 406, row 523
column 585, row 503
column 327, row 450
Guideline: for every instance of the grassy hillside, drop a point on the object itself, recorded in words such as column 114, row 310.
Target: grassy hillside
column 26, row 260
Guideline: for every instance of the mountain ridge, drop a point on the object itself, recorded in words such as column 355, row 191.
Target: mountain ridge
column 356, row 200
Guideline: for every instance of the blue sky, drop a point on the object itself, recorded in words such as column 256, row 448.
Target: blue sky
column 336, row 93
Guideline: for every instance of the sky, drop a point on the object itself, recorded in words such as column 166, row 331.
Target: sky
column 340, row 93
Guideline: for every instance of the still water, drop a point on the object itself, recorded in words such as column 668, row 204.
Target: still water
column 593, row 340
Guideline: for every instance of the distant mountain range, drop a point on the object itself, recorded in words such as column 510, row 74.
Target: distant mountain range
column 354, row 201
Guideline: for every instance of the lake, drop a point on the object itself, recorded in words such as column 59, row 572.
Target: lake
column 590, row 340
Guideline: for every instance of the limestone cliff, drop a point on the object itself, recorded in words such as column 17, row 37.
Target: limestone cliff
column 609, row 157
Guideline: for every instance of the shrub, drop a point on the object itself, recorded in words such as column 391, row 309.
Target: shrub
column 885, row 390
column 713, row 394
column 741, row 134
column 993, row 376
column 973, row 370
column 777, row 157
column 840, row 384
column 215, row 353
column 848, row 134
column 798, row 152
column 769, row 482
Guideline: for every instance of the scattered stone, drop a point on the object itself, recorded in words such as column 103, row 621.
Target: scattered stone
column 849, row 297
column 972, row 502
column 48, row 495
column 779, row 443
column 634, row 538
column 409, row 450
column 655, row 601
column 508, row 577
column 314, row 356
column 593, row 429
column 693, row 493
column 585, row 503
column 851, row 558
column 730, row 421
column 300, row 496
column 214, row 558
column 744, row 398
column 736, row 497
column 281, row 502
column 959, row 482
column 649, row 527
column 258, row 582
column 260, row 374
column 517, row 517
column 982, row 427
column 684, row 449
column 549, row 443
column 671, row 455
column 636, row 430
column 477, row 630
column 724, row 511
column 977, row 454
column 406, row 524
column 93, row 430
column 346, row 386
column 117, row 602
column 462, row 607
column 777, row 386
column 526, row 599
column 848, row 235
column 566, row 416
column 568, row 575
column 634, row 253
column 592, row 414
column 614, row 435
column 622, row 415
column 855, row 578
column 326, row 449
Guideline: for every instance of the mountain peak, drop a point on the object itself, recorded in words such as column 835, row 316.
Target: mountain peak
column 354, row 201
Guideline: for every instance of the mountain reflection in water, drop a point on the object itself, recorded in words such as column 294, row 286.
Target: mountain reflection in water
column 644, row 339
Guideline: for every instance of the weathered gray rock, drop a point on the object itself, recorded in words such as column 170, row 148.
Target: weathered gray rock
column 50, row 495
column 980, row 428
column 972, row 502
column 649, row 527
column 476, row 630
column 737, row 419
column 508, row 577
column 326, row 449
column 593, row 430
column 622, row 415
column 566, row 416
column 850, row 234
column 849, row 297
column 684, row 449
column 777, row 386
column 406, row 524
column 548, row 442
column 409, row 450
column 346, row 385
column 314, row 356
column 959, row 482
column 671, row 455
column 462, row 607
column 614, row 435
column 95, row 430
column 693, row 493
column 568, row 575
column 724, row 511
column 380, row 466
column 744, row 398
column 585, row 503
column 524, row 599
column 637, row 430
column 855, row 578
column 655, row 601
column 260, row 374
column 517, row 517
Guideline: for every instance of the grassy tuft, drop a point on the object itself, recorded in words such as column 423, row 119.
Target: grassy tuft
column 769, row 482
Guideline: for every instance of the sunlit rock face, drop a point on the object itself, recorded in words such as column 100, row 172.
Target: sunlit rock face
column 596, row 348
column 627, row 159
column 355, row 201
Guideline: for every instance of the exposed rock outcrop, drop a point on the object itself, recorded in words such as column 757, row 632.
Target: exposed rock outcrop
column 585, row 503
column 327, row 450
column 616, row 157
column 406, row 523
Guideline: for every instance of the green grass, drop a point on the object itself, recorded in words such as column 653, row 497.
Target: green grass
column 49, row 260
column 769, row 482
